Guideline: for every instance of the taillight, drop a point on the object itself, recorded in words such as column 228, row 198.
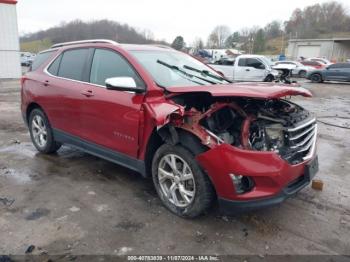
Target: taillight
column 23, row 79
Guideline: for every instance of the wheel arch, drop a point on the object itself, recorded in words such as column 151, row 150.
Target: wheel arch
column 317, row 73
column 168, row 134
column 30, row 108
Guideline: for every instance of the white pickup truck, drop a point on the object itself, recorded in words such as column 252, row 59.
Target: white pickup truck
column 246, row 68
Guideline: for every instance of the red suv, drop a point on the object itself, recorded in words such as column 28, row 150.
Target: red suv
column 170, row 117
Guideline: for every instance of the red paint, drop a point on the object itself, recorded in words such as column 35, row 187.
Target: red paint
column 314, row 64
column 10, row 2
column 256, row 90
column 124, row 122
column 269, row 172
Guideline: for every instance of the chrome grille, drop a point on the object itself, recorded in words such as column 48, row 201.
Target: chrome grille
column 302, row 141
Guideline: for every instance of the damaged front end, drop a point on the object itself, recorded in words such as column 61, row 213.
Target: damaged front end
column 257, row 148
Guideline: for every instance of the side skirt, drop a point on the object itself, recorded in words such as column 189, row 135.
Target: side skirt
column 100, row 151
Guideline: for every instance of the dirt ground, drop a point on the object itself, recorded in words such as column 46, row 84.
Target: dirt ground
column 74, row 203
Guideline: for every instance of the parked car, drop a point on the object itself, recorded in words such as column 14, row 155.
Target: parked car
column 25, row 59
column 324, row 61
column 334, row 72
column 296, row 68
column 314, row 64
column 246, row 68
column 168, row 116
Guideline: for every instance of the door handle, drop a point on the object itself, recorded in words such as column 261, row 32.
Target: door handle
column 87, row 93
column 247, row 70
column 46, row 83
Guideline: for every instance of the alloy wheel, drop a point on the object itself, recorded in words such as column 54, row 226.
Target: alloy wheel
column 39, row 131
column 176, row 180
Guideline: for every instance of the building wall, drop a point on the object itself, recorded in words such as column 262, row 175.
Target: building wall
column 333, row 50
column 9, row 42
column 341, row 51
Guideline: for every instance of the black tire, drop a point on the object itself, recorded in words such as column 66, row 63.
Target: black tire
column 269, row 78
column 302, row 74
column 51, row 146
column 204, row 191
column 316, row 78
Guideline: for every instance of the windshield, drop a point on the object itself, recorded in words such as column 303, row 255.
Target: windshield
column 266, row 61
column 175, row 69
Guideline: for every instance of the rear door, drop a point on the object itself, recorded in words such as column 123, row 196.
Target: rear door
column 225, row 67
column 241, row 71
column 64, row 83
column 110, row 118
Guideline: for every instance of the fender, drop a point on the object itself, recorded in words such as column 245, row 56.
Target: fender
column 159, row 112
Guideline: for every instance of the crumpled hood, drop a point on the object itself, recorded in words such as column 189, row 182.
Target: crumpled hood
column 253, row 90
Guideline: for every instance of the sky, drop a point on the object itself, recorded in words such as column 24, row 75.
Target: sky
column 165, row 19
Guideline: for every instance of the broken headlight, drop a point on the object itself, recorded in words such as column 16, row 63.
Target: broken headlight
column 266, row 137
column 275, row 135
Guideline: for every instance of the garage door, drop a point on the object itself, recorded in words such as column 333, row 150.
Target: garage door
column 309, row 51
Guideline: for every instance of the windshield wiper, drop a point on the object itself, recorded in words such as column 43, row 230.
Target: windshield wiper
column 188, row 76
column 207, row 73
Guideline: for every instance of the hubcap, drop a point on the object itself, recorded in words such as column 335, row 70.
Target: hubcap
column 39, row 131
column 176, row 180
column 316, row 78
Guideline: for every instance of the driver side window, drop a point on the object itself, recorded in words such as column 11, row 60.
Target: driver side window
column 252, row 62
column 107, row 64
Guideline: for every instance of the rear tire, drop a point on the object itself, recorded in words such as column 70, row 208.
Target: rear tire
column 41, row 132
column 180, row 183
column 302, row 74
column 316, row 78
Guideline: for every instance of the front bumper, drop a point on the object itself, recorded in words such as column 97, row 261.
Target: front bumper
column 274, row 178
column 232, row 207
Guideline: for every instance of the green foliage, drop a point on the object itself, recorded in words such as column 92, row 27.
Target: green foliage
column 259, row 41
column 79, row 30
column 178, row 43
column 232, row 40
column 36, row 45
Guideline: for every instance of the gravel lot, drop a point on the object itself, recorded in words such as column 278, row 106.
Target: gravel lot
column 74, row 203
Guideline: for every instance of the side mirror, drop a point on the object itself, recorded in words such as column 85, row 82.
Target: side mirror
column 123, row 84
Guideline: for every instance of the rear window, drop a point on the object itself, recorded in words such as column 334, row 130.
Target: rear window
column 242, row 62
column 53, row 69
column 73, row 63
column 41, row 59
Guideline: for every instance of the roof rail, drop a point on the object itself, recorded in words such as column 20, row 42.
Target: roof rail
column 85, row 42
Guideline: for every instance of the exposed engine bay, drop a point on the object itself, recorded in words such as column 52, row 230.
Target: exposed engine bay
column 254, row 124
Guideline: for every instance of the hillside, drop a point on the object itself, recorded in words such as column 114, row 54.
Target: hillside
column 79, row 30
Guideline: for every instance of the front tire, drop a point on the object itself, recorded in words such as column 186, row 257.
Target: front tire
column 316, row 78
column 41, row 132
column 269, row 78
column 180, row 183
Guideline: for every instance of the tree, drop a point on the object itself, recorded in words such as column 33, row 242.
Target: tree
column 178, row 43
column 259, row 41
column 273, row 29
column 312, row 21
column 198, row 43
column 218, row 36
column 232, row 40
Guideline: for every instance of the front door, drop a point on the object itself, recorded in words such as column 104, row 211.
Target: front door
column 256, row 70
column 111, row 118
